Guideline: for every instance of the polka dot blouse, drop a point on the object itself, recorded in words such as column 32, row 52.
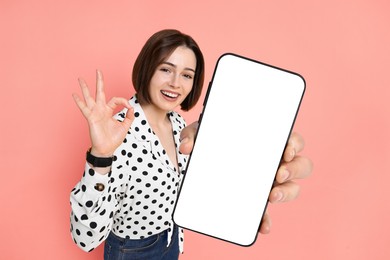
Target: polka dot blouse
column 139, row 193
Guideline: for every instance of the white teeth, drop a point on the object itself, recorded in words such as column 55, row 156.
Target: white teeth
column 169, row 94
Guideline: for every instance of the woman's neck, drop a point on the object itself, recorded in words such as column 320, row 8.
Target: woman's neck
column 156, row 117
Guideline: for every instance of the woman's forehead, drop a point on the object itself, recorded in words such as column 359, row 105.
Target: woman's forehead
column 182, row 57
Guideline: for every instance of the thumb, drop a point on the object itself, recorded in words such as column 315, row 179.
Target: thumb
column 187, row 138
column 186, row 145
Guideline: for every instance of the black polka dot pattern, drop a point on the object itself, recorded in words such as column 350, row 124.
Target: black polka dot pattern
column 140, row 191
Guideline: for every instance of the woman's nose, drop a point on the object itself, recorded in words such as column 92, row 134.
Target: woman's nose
column 175, row 82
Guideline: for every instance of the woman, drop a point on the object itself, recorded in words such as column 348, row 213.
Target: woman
column 134, row 166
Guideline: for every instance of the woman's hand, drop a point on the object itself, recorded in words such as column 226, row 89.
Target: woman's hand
column 187, row 137
column 106, row 133
column 293, row 167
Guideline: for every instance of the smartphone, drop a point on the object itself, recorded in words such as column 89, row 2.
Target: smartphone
column 248, row 114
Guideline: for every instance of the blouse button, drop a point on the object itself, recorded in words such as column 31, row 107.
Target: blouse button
column 99, row 186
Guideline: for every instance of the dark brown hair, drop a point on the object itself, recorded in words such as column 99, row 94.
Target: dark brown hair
column 155, row 51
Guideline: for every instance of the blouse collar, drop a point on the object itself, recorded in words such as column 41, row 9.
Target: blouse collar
column 143, row 132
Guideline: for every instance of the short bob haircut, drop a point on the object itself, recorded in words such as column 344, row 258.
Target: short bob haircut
column 155, row 51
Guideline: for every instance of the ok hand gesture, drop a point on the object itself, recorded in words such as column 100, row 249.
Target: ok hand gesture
column 106, row 133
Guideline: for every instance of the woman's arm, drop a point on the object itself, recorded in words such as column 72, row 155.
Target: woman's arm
column 93, row 205
column 93, row 200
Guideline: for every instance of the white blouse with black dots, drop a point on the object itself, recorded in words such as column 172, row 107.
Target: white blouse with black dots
column 139, row 193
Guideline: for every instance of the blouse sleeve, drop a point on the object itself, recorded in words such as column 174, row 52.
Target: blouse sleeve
column 92, row 209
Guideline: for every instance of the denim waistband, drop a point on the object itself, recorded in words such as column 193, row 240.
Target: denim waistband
column 162, row 233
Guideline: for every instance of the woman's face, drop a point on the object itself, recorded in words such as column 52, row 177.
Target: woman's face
column 173, row 79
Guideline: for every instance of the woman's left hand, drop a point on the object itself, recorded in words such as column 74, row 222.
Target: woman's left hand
column 293, row 167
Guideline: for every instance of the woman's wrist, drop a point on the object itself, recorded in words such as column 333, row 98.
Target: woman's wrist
column 100, row 154
column 100, row 161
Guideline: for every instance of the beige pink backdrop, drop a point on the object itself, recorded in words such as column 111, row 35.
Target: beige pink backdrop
column 340, row 47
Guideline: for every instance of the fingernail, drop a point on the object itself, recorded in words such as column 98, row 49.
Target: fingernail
column 279, row 196
column 284, row 175
column 265, row 229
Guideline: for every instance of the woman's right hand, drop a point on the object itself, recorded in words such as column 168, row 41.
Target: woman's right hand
column 106, row 133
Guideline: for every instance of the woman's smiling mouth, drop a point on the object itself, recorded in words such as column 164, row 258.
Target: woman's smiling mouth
column 169, row 94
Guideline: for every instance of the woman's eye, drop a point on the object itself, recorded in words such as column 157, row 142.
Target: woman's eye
column 188, row 76
column 165, row 70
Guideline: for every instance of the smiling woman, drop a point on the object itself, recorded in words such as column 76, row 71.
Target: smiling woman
column 137, row 158
column 170, row 85
column 131, row 179
column 155, row 53
column 173, row 80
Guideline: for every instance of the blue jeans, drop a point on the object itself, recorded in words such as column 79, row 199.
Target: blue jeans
column 151, row 248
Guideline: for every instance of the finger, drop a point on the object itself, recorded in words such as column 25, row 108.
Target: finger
column 299, row 168
column 118, row 101
column 265, row 227
column 284, row 192
column 295, row 145
column 186, row 145
column 85, row 90
column 189, row 131
column 100, row 95
column 80, row 103
column 129, row 118
column 187, row 137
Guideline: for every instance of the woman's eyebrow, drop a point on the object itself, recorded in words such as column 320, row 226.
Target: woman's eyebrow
column 173, row 65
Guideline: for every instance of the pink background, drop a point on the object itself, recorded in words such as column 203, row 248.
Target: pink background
column 340, row 47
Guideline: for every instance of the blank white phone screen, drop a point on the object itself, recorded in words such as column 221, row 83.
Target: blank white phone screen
column 248, row 114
